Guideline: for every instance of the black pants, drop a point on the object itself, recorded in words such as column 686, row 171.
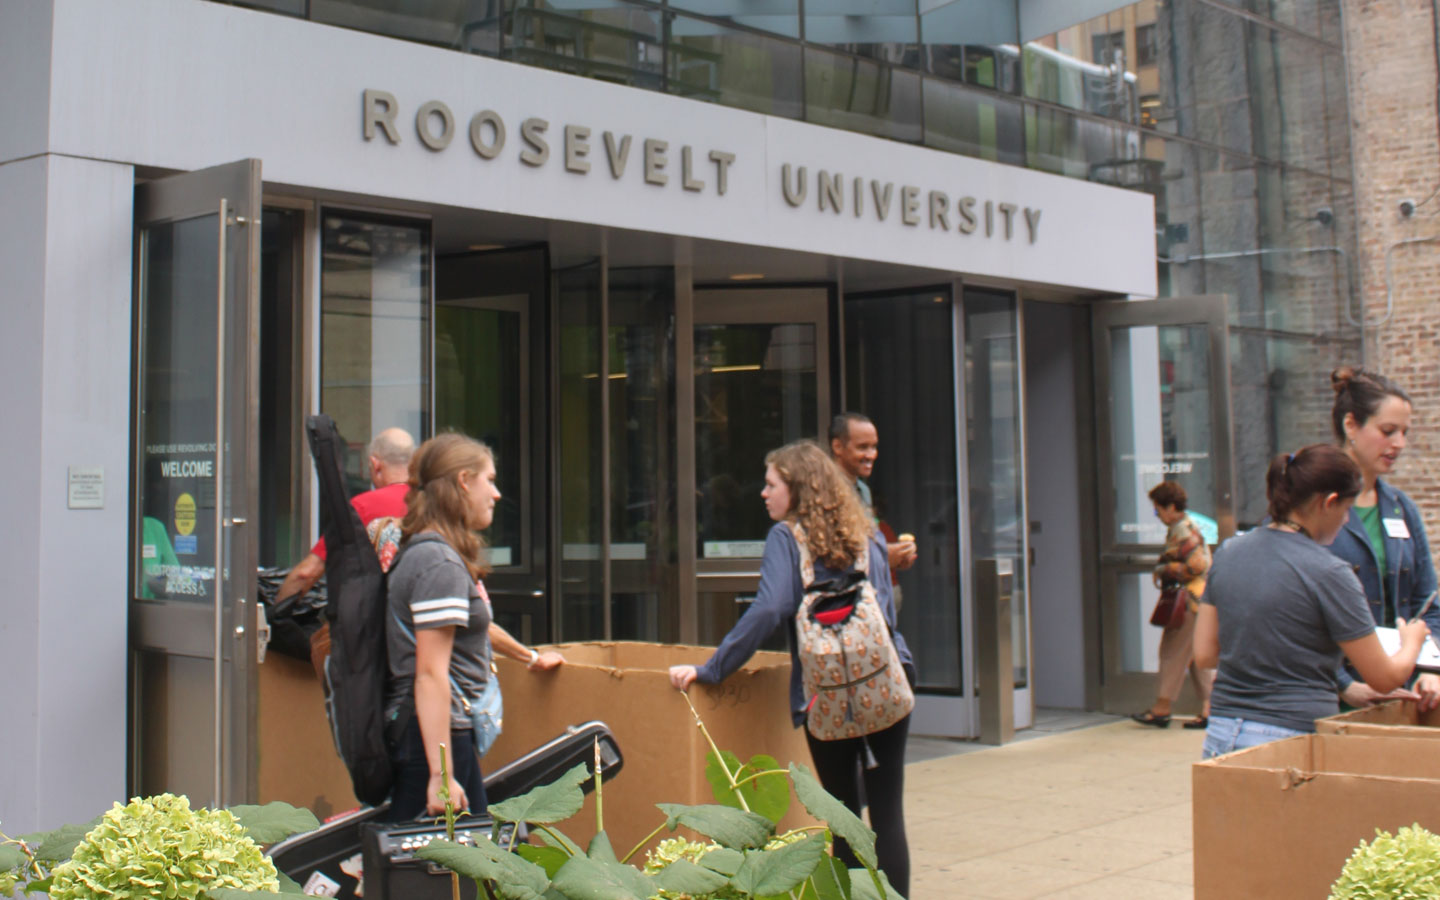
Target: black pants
column 840, row 766
column 412, row 772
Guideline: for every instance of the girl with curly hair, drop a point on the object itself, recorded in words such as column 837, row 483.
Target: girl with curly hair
column 804, row 486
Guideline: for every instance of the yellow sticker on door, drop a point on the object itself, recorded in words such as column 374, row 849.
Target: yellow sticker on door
column 184, row 514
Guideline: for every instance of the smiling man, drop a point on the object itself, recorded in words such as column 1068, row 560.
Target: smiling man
column 854, row 444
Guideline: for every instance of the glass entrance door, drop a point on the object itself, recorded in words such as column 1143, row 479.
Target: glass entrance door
column 1163, row 413
column 193, row 615
column 761, row 364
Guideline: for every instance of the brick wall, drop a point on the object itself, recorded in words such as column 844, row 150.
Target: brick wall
column 1392, row 75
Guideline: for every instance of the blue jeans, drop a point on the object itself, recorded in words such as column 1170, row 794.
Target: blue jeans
column 1226, row 734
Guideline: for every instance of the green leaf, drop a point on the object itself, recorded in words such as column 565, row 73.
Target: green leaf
column 11, row 856
column 558, row 839
column 274, row 821
column 582, row 878
column 832, row 879
column 768, row 795
column 733, row 828
column 724, row 860
column 548, row 858
column 549, row 803
column 843, row 823
column 515, row 878
column 776, row 871
column 862, row 886
column 289, row 885
column 58, row 845
column 684, row 877
column 600, row 849
column 39, row 887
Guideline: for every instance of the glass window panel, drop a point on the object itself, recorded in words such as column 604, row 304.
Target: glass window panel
column 582, row 613
column 1087, row 67
column 859, row 95
column 642, row 455
column 709, row 61
column 903, row 346
column 179, row 282
column 755, row 389
column 1294, row 113
column 445, row 23
column 1080, row 147
column 777, row 16
column 1139, row 640
column 974, row 123
column 374, row 331
column 606, row 39
column 995, row 461
column 1160, row 425
column 478, row 392
column 1280, row 391
column 885, row 30
column 973, row 41
column 1320, row 18
column 283, row 457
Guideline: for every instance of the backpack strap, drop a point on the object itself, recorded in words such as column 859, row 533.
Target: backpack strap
column 807, row 562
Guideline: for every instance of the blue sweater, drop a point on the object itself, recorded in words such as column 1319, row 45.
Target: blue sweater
column 779, row 599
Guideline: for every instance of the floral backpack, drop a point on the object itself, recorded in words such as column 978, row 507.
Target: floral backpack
column 854, row 683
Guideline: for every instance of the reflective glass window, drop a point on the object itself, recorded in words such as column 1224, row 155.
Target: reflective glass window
column 579, row 432
column 860, row 95
column 973, row 122
column 283, row 454
column 710, row 61
column 467, row 26
column 606, row 39
column 777, row 16
column 642, row 454
column 374, row 330
column 903, row 346
column 1082, row 147
column 885, row 30
column 973, row 41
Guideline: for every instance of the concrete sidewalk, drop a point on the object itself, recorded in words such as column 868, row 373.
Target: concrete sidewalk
column 1098, row 812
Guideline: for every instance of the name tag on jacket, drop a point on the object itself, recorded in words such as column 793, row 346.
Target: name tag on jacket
column 1396, row 528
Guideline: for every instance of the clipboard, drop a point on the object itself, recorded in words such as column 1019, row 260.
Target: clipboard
column 1429, row 660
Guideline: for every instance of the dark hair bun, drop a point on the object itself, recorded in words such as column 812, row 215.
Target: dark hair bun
column 1340, row 378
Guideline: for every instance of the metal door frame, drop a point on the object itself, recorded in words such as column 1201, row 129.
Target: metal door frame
column 1120, row 691
column 227, row 633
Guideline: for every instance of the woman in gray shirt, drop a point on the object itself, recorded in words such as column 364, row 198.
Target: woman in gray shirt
column 1280, row 611
column 437, row 630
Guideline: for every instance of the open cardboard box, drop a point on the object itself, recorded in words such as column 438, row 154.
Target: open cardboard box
column 1397, row 718
column 298, row 763
column 627, row 686
column 1280, row 820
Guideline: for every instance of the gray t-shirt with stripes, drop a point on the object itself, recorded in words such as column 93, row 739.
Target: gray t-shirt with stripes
column 429, row 587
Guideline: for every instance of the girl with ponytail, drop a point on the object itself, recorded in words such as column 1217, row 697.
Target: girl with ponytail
column 438, row 624
column 1280, row 612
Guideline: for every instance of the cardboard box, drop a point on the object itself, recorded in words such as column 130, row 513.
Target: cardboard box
column 1280, row 820
column 298, row 763
column 627, row 686
column 1397, row 718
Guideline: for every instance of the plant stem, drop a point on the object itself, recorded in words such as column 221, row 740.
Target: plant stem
column 750, row 778
column 645, row 840
column 599, row 798
column 802, row 829
column 559, row 843
column 719, row 757
column 449, row 818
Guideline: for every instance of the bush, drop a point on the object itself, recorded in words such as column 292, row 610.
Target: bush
column 1401, row 867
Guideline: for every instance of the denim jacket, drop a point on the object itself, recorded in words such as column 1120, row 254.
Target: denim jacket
column 1411, row 575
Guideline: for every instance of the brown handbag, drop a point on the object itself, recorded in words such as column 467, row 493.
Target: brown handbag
column 1170, row 609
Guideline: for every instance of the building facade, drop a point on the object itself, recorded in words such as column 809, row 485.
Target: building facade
column 1059, row 251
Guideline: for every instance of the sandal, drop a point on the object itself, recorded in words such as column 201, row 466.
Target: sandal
column 1198, row 722
column 1149, row 718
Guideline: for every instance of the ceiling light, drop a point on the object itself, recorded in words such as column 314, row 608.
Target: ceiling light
column 479, row 247
column 747, row 276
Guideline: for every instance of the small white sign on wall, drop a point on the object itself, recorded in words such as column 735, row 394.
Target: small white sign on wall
column 87, row 487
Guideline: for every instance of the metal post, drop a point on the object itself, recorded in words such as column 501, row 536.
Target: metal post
column 994, row 581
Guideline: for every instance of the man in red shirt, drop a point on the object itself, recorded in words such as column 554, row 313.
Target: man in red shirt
column 390, row 454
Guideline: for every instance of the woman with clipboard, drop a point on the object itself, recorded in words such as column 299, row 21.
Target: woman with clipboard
column 1280, row 613
column 1384, row 537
